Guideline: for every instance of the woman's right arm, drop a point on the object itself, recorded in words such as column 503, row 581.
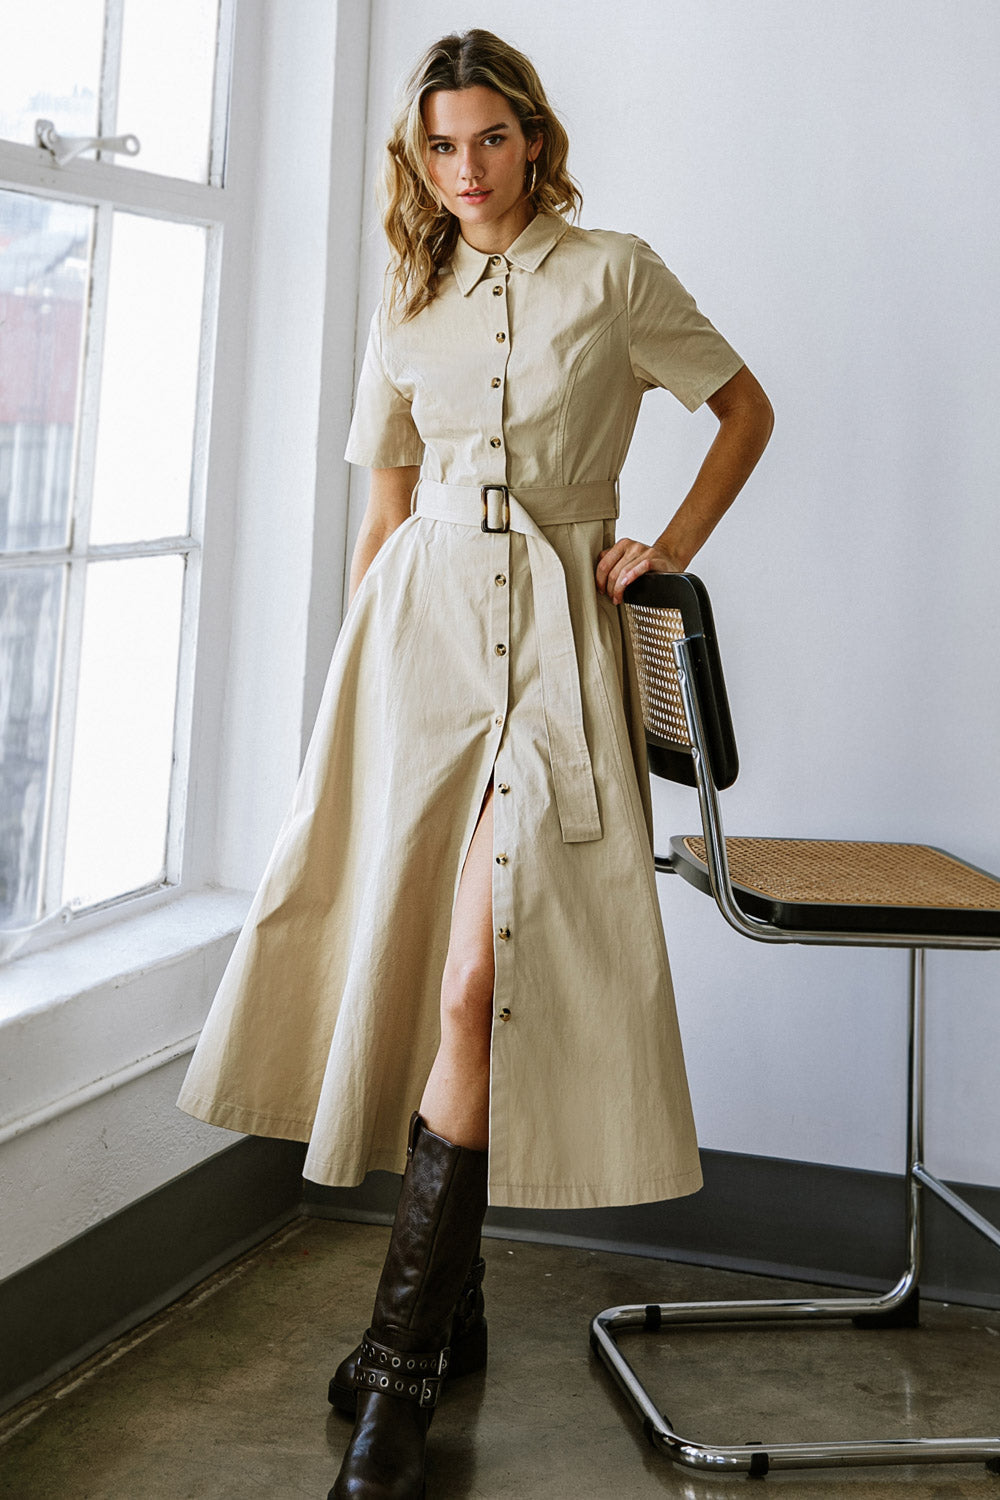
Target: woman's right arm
column 388, row 507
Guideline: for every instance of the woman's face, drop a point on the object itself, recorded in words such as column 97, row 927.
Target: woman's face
column 477, row 158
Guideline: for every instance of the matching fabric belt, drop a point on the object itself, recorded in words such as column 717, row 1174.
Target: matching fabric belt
column 497, row 508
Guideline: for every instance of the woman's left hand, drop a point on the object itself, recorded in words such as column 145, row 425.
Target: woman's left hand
column 620, row 565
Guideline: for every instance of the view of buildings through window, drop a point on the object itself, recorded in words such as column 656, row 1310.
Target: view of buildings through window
column 44, row 260
column 103, row 327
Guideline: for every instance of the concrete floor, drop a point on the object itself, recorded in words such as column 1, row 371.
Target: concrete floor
column 223, row 1397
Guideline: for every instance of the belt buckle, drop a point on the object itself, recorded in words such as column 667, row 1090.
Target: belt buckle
column 485, row 492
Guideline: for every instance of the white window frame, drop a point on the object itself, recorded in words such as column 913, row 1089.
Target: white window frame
column 109, row 188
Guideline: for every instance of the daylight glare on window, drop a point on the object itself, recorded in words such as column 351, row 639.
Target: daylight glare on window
column 50, row 64
column 124, row 728
column 165, row 87
column 146, row 427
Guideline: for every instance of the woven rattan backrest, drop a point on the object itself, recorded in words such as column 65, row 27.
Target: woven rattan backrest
column 653, row 632
column 661, row 608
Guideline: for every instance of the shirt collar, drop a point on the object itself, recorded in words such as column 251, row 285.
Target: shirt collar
column 527, row 252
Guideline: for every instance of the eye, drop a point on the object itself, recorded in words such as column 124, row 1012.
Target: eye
column 441, row 147
column 494, row 140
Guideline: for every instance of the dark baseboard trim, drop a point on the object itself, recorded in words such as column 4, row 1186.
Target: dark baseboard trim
column 799, row 1220
column 68, row 1305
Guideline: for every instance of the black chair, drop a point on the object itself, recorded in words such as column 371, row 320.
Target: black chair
column 792, row 891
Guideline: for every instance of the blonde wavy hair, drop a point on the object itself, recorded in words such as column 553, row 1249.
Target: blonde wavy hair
column 422, row 233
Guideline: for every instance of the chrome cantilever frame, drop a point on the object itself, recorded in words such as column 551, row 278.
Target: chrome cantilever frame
column 897, row 1307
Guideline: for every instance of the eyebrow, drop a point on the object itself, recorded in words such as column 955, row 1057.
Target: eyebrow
column 503, row 125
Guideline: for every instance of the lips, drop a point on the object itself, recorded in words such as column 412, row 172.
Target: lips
column 475, row 195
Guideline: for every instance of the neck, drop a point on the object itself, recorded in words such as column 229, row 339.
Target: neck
column 497, row 237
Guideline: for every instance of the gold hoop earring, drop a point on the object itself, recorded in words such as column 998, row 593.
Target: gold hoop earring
column 531, row 187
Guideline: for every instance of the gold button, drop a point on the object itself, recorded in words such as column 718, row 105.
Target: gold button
column 500, row 649
column 498, row 291
column 503, row 788
column 503, row 933
column 495, row 260
column 498, row 719
column 496, row 382
column 494, row 442
column 501, row 338
column 505, row 1014
column 501, row 859
column 500, row 580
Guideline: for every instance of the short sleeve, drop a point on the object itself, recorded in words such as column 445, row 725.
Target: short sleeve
column 383, row 433
column 671, row 343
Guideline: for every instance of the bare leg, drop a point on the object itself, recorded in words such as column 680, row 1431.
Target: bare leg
column 456, row 1101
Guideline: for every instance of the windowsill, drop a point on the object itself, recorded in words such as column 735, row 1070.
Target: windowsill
column 125, row 944
column 94, row 1012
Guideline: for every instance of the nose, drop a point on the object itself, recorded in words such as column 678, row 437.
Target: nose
column 470, row 167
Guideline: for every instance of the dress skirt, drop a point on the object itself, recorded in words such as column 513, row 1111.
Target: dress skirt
column 327, row 1020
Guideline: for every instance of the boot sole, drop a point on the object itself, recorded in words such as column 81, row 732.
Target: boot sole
column 466, row 1358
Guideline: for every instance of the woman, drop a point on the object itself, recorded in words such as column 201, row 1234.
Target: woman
column 460, row 912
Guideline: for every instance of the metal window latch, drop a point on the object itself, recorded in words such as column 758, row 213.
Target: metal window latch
column 65, row 148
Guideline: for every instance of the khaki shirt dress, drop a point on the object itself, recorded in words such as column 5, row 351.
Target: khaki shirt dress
column 468, row 653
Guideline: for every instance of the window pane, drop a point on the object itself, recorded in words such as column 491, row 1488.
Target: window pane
column 123, row 746
column 30, row 608
column 50, row 62
column 165, row 86
column 44, row 274
column 150, row 380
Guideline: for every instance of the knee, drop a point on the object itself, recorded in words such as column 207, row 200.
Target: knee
column 467, row 993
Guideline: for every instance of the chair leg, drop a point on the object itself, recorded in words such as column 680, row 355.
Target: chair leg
column 905, row 1315
column 896, row 1308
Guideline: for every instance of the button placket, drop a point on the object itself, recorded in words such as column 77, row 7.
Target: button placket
column 499, row 561
column 498, row 642
column 497, row 568
column 497, row 584
column 498, row 274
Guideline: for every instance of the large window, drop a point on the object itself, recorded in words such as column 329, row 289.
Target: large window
column 108, row 295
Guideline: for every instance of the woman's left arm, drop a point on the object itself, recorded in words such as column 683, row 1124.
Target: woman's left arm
column 745, row 423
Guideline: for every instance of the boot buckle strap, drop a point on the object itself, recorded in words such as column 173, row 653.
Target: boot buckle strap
column 430, row 1390
column 424, row 1392
column 396, row 1372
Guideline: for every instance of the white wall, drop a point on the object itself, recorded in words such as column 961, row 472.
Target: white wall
column 824, row 179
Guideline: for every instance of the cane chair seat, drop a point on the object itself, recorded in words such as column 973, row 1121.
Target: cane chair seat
column 851, row 886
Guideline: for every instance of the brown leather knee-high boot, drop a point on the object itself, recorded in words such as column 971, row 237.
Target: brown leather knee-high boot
column 404, row 1353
